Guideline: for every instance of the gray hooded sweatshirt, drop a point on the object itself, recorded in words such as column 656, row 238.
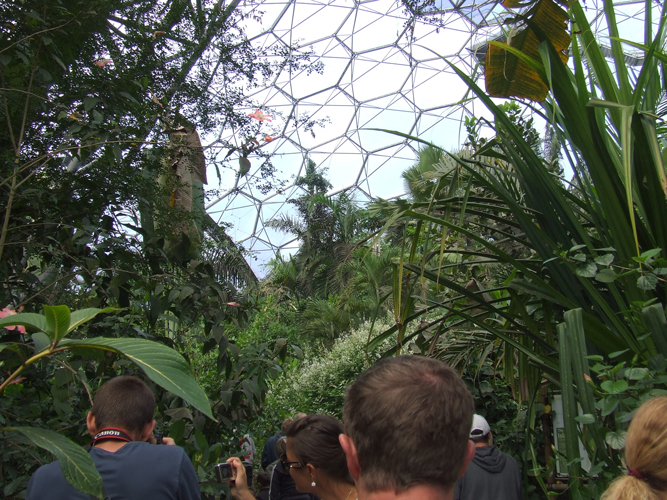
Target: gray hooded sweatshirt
column 490, row 475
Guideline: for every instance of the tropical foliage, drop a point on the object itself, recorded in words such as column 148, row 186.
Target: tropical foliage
column 335, row 279
column 161, row 364
column 565, row 276
column 536, row 267
column 102, row 207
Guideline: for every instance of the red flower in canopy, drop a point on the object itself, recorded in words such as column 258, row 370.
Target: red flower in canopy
column 10, row 312
column 260, row 115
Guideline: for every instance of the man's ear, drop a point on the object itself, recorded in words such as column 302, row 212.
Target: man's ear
column 147, row 431
column 470, row 453
column 351, row 454
column 91, row 424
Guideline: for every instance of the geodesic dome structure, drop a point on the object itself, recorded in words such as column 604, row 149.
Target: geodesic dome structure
column 383, row 66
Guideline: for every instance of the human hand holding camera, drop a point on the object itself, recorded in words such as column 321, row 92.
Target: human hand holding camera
column 164, row 440
column 157, row 438
column 238, row 482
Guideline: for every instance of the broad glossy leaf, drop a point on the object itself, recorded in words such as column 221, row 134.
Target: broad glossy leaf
column 586, row 418
column 36, row 321
column 648, row 254
column 57, row 321
column 605, row 260
column 41, row 340
column 77, row 466
column 606, row 276
column 609, row 405
column 614, row 387
column 647, row 282
column 580, row 257
column 163, row 365
column 587, row 270
column 636, row 373
column 616, row 439
column 297, row 351
column 81, row 316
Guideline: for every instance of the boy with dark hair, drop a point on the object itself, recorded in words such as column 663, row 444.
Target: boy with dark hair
column 124, row 401
column 407, row 421
column 121, row 424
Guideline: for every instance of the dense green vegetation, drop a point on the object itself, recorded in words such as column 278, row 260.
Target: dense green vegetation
column 529, row 281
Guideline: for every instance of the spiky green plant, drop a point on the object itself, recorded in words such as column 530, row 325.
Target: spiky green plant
column 588, row 264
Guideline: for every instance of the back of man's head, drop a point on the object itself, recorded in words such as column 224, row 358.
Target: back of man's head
column 409, row 420
column 286, row 425
column 124, row 402
column 480, row 433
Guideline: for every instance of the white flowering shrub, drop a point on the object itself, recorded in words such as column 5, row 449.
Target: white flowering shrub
column 318, row 385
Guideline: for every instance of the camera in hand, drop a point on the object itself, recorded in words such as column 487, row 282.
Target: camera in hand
column 224, row 472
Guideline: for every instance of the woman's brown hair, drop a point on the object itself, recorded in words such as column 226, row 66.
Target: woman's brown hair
column 314, row 440
column 645, row 455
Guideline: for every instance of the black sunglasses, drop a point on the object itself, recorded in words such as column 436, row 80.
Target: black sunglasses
column 290, row 465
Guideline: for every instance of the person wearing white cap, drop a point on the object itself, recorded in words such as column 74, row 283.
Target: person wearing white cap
column 491, row 474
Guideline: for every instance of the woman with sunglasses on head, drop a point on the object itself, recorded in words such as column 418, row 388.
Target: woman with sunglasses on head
column 282, row 485
column 316, row 460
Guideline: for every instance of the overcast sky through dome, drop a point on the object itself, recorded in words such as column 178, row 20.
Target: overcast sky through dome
column 378, row 72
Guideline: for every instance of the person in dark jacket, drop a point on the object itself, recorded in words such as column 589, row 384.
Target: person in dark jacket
column 269, row 455
column 263, row 483
column 491, row 474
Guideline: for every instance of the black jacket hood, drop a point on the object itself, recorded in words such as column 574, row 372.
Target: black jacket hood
column 490, row 459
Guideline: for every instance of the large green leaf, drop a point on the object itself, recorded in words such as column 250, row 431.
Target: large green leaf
column 83, row 315
column 32, row 320
column 76, row 464
column 57, row 321
column 163, row 365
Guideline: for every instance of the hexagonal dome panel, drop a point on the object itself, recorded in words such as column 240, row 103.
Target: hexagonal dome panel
column 380, row 67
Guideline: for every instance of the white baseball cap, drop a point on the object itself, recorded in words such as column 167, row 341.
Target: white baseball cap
column 480, row 427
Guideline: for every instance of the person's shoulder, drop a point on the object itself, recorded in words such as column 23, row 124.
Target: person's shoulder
column 510, row 460
column 49, row 482
column 48, row 472
column 153, row 450
column 146, row 453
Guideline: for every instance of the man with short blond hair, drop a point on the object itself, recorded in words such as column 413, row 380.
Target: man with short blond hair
column 407, row 421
